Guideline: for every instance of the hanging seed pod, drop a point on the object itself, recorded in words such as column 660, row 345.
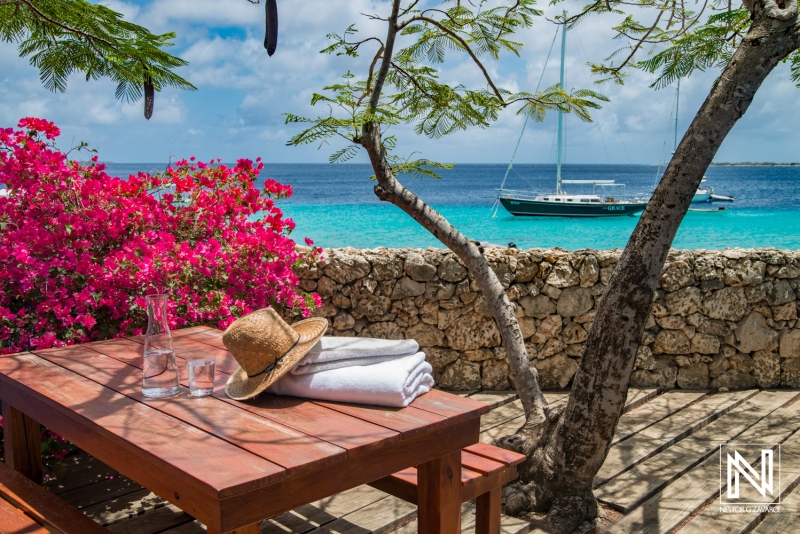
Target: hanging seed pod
column 271, row 35
column 149, row 98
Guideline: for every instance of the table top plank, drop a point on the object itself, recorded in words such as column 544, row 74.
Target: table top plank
column 408, row 421
column 182, row 452
column 351, row 434
column 295, row 451
column 453, row 407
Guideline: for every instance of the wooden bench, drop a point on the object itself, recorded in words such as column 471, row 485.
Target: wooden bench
column 26, row 507
column 484, row 470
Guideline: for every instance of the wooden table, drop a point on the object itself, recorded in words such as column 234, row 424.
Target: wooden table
column 227, row 463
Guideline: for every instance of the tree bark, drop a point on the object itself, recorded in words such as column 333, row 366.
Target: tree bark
column 564, row 456
column 389, row 189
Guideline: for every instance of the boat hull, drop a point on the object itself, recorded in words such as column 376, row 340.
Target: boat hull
column 532, row 208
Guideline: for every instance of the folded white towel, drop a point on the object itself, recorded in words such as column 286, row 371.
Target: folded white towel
column 337, row 352
column 393, row 383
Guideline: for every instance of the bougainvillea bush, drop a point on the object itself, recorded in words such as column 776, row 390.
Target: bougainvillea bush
column 80, row 249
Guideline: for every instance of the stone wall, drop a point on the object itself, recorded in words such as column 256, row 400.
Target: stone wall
column 721, row 319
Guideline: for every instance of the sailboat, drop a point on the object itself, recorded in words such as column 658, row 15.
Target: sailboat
column 560, row 204
column 703, row 194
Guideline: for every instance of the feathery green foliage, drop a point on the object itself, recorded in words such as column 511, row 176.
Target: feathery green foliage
column 413, row 92
column 65, row 36
column 710, row 46
column 680, row 38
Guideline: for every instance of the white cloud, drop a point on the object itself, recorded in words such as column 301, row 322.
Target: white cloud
column 242, row 93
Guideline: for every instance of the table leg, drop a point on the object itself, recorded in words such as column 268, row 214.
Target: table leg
column 487, row 513
column 439, row 495
column 22, row 439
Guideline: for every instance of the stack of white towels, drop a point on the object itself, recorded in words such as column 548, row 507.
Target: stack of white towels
column 360, row 370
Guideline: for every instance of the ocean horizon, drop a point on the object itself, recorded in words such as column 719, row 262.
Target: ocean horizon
column 335, row 206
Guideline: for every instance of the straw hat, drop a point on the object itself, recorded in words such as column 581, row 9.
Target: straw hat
column 266, row 348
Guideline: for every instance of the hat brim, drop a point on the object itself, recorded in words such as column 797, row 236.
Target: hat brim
column 242, row 387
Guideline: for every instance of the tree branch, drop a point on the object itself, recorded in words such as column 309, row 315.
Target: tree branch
column 371, row 71
column 89, row 37
column 387, row 56
column 466, row 48
column 414, row 82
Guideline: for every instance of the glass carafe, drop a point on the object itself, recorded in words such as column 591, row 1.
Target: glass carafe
column 160, row 370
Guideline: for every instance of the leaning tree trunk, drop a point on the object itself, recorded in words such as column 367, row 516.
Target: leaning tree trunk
column 389, row 189
column 566, row 452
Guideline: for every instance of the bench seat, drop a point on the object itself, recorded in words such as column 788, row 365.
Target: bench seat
column 484, row 470
column 26, row 507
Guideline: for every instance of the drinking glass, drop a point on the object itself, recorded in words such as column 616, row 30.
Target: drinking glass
column 200, row 369
column 160, row 369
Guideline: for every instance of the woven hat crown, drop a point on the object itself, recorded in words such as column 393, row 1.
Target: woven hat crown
column 259, row 339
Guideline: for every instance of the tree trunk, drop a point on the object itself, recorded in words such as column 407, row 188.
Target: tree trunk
column 564, row 455
column 389, row 189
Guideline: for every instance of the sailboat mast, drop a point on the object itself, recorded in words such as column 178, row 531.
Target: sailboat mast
column 560, row 113
column 677, row 105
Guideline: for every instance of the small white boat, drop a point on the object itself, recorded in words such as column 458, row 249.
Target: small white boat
column 703, row 194
column 711, row 209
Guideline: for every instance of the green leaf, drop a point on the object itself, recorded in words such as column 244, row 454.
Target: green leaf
column 61, row 37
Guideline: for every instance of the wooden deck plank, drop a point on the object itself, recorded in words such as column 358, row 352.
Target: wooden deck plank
column 124, row 507
column 194, row 527
column 299, row 521
column 638, row 484
column 653, row 412
column 467, row 521
column 674, row 504
column 638, row 396
column 81, row 470
column 508, row 417
column 495, row 399
column 41, row 506
column 513, row 410
column 99, row 492
column 297, row 453
column 787, row 521
column 653, row 439
column 714, row 519
column 307, row 518
column 378, row 517
column 156, row 521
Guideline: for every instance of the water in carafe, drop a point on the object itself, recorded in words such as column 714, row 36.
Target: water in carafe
column 160, row 369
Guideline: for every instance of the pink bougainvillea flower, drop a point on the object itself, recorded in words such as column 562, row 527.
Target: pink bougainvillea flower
column 79, row 249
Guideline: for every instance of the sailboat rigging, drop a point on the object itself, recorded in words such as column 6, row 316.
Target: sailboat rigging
column 561, row 204
column 703, row 194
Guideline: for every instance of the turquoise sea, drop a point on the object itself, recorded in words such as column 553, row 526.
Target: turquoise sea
column 334, row 205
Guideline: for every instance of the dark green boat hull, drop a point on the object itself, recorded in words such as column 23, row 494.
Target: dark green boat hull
column 533, row 208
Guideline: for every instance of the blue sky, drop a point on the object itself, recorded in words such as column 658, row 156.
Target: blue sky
column 237, row 111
